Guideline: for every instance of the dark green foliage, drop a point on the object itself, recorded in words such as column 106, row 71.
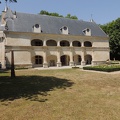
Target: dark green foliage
column 13, row 0
column 9, row 1
column 104, row 68
column 43, row 12
column 113, row 30
column 71, row 17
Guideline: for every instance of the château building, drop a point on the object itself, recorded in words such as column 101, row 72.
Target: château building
column 44, row 41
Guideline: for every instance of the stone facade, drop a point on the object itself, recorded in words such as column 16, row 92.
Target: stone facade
column 38, row 49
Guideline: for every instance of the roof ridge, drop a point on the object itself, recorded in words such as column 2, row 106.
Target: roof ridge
column 54, row 17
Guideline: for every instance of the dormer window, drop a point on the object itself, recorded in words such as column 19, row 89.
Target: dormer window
column 87, row 32
column 37, row 28
column 37, row 25
column 64, row 30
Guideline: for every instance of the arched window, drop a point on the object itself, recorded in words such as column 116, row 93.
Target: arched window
column 37, row 25
column 52, row 60
column 37, row 42
column 76, row 44
column 77, row 59
column 64, row 43
column 88, row 59
column 38, row 59
column 87, row 44
column 65, row 59
column 51, row 43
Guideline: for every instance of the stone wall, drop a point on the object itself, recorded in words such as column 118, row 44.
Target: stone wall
column 25, row 53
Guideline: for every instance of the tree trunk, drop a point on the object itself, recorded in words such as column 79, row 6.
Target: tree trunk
column 12, row 65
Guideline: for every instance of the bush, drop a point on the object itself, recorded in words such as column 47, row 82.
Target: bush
column 105, row 68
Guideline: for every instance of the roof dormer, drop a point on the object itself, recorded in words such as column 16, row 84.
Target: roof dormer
column 9, row 14
column 64, row 30
column 37, row 28
column 87, row 32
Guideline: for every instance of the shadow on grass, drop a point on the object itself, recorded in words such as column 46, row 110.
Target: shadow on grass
column 30, row 87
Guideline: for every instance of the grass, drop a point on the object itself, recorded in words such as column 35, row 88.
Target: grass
column 70, row 94
column 115, row 62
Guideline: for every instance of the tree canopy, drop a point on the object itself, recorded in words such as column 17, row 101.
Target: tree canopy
column 71, row 17
column 43, row 12
column 113, row 30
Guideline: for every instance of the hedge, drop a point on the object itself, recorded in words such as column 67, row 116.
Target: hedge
column 105, row 68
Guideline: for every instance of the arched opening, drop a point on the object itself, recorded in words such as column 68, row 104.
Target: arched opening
column 88, row 59
column 65, row 59
column 51, row 43
column 37, row 42
column 76, row 44
column 64, row 43
column 87, row 44
column 38, row 60
column 52, row 60
column 77, row 59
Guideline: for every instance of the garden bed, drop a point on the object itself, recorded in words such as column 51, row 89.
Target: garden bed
column 104, row 68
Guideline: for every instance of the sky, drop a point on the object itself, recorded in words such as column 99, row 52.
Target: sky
column 101, row 11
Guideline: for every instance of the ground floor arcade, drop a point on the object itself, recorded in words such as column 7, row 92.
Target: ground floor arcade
column 64, row 60
column 55, row 56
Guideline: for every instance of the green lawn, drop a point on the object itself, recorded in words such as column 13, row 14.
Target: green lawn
column 70, row 94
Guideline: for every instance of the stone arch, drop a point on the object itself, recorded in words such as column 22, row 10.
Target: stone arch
column 65, row 59
column 52, row 60
column 36, row 42
column 51, row 43
column 76, row 44
column 87, row 44
column 88, row 59
column 64, row 43
column 77, row 59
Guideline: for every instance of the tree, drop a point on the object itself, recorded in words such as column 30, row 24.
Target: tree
column 12, row 65
column 68, row 16
column 71, row 17
column 43, row 12
column 9, row 1
column 113, row 30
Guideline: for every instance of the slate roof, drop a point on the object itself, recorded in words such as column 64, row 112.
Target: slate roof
column 49, row 24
